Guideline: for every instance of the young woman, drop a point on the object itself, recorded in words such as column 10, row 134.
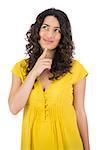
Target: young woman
column 50, row 86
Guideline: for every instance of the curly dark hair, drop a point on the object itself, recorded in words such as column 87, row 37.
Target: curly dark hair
column 63, row 52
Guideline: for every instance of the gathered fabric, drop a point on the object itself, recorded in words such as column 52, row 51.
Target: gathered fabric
column 49, row 119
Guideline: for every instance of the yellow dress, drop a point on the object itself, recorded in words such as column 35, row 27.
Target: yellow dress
column 49, row 119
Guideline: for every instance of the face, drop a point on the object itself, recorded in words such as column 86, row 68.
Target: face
column 50, row 33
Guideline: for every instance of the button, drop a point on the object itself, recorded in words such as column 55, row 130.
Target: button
column 46, row 114
column 45, row 101
column 46, row 110
column 46, row 105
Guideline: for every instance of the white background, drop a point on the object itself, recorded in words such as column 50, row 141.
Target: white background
column 15, row 19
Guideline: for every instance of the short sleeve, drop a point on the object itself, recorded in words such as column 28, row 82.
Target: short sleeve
column 19, row 69
column 78, row 71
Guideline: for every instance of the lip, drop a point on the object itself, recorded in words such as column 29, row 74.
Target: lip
column 48, row 41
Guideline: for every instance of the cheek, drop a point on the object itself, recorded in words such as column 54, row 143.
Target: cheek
column 41, row 33
column 58, row 38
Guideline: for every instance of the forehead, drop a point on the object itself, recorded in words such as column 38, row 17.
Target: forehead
column 51, row 21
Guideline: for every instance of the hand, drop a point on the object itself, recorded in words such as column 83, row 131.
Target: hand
column 42, row 63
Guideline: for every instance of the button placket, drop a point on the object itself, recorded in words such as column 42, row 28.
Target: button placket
column 45, row 107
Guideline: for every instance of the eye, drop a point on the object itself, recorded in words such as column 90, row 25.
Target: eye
column 57, row 30
column 44, row 26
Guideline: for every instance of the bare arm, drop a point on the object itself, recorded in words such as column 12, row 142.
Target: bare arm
column 19, row 92
column 79, row 95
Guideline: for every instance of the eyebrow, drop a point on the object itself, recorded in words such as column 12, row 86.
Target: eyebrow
column 49, row 25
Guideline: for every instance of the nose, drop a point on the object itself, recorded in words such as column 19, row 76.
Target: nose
column 50, row 34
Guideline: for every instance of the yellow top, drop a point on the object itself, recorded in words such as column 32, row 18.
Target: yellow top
column 49, row 119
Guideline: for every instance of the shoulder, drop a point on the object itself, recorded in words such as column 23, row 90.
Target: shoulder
column 78, row 70
column 21, row 63
column 75, row 62
column 19, row 68
column 76, row 65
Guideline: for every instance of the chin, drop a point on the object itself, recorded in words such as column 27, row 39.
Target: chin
column 48, row 47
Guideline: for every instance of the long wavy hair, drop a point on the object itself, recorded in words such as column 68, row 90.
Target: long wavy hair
column 63, row 52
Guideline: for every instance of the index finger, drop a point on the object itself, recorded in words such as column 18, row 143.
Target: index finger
column 44, row 53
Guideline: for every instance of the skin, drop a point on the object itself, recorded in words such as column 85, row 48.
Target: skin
column 50, row 35
column 49, row 38
column 79, row 95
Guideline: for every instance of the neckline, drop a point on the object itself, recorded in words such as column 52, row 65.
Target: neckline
column 40, row 85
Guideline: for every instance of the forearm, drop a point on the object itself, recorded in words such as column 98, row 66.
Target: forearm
column 19, row 99
column 83, row 128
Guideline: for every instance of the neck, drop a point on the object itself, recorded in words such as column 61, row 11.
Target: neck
column 50, row 54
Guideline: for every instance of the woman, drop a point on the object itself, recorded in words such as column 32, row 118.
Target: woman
column 50, row 86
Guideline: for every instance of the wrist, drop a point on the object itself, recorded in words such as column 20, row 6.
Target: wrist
column 34, row 73
column 87, row 147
